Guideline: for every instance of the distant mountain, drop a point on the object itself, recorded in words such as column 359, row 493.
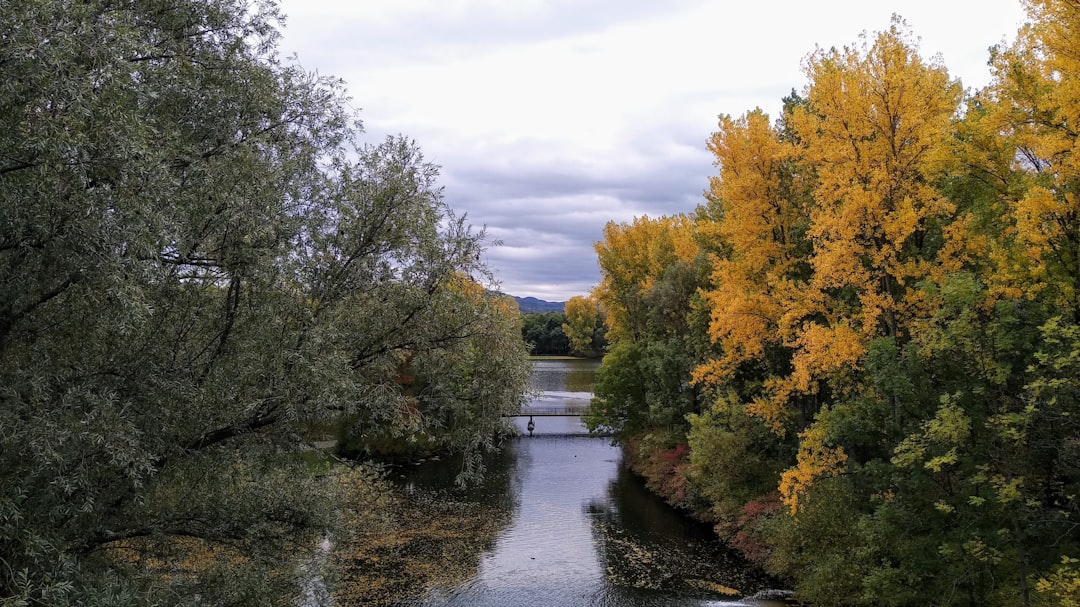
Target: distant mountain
column 532, row 305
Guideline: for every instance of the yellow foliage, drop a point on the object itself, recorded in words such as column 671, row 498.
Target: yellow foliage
column 758, row 220
column 713, row 587
column 1062, row 587
column 823, row 351
column 581, row 316
column 631, row 257
column 815, row 460
column 752, row 289
column 743, row 316
column 772, row 411
column 874, row 121
column 870, row 136
column 1029, row 113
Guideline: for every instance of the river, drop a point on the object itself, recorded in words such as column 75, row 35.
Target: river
column 579, row 529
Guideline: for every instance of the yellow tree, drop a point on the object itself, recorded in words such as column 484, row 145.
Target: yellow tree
column 874, row 118
column 1032, row 111
column 762, row 222
column 632, row 258
column 871, row 126
column 582, row 314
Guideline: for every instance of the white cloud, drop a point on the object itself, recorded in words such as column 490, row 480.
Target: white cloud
column 552, row 117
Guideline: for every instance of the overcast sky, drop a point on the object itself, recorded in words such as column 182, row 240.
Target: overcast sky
column 550, row 118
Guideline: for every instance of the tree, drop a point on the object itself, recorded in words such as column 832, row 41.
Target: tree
column 890, row 280
column 651, row 271
column 200, row 262
column 544, row 334
column 582, row 317
column 1014, row 169
column 756, row 291
column 870, row 127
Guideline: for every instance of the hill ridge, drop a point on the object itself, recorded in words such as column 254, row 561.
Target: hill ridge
column 533, row 305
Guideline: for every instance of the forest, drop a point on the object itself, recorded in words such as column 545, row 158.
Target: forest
column 859, row 358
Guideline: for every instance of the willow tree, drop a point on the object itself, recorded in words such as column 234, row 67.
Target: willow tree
column 200, row 260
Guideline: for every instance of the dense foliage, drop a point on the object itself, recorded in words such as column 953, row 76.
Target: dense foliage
column 543, row 333
column 579, row 331
column 201, row 263
column 860, row 356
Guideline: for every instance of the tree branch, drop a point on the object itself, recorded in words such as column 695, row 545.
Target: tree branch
column 258, row 421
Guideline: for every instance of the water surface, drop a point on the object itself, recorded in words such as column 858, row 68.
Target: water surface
column 581, row 530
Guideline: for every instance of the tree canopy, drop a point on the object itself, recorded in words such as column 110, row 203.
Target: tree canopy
column 876, row 392
column 201, row 261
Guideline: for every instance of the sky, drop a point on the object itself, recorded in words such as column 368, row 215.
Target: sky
column 550, row 118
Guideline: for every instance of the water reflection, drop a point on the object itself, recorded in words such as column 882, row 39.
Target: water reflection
column 647, row 545
column 583, row 532
column 580, row 529
column 569, row 375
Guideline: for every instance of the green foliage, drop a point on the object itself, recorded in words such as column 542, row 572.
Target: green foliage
column 642, row 387
column 544, row 334
column 890, row 292
column 200, row 262
column 619, row 391
column 735, row 462
column 825, row 549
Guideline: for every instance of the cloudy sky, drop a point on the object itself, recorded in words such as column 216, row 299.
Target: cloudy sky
column 550, row 118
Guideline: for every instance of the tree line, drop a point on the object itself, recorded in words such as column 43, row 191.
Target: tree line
column 204, row 266
column 577, row 331
column 859, row 357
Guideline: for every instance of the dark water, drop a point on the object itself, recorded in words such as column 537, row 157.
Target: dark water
column 581, row 530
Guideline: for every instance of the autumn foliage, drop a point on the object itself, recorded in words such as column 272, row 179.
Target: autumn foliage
column 883, row 328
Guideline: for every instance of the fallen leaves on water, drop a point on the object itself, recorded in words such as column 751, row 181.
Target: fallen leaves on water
column 713, row 587
column 403, row 547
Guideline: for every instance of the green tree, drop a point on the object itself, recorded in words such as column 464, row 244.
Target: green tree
column 543, row 332
column 200, row 261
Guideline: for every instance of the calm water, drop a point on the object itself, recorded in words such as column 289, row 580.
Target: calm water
column 581, row 530
column 560, row 383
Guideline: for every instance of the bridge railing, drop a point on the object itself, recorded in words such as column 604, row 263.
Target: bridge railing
column 572, row 411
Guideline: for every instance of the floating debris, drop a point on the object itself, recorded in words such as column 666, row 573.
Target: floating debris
column 421, row 547
column 713, row 587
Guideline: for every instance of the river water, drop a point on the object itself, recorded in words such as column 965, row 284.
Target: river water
column 580, row 529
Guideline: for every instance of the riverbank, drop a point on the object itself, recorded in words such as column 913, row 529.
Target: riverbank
column 666, row 475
